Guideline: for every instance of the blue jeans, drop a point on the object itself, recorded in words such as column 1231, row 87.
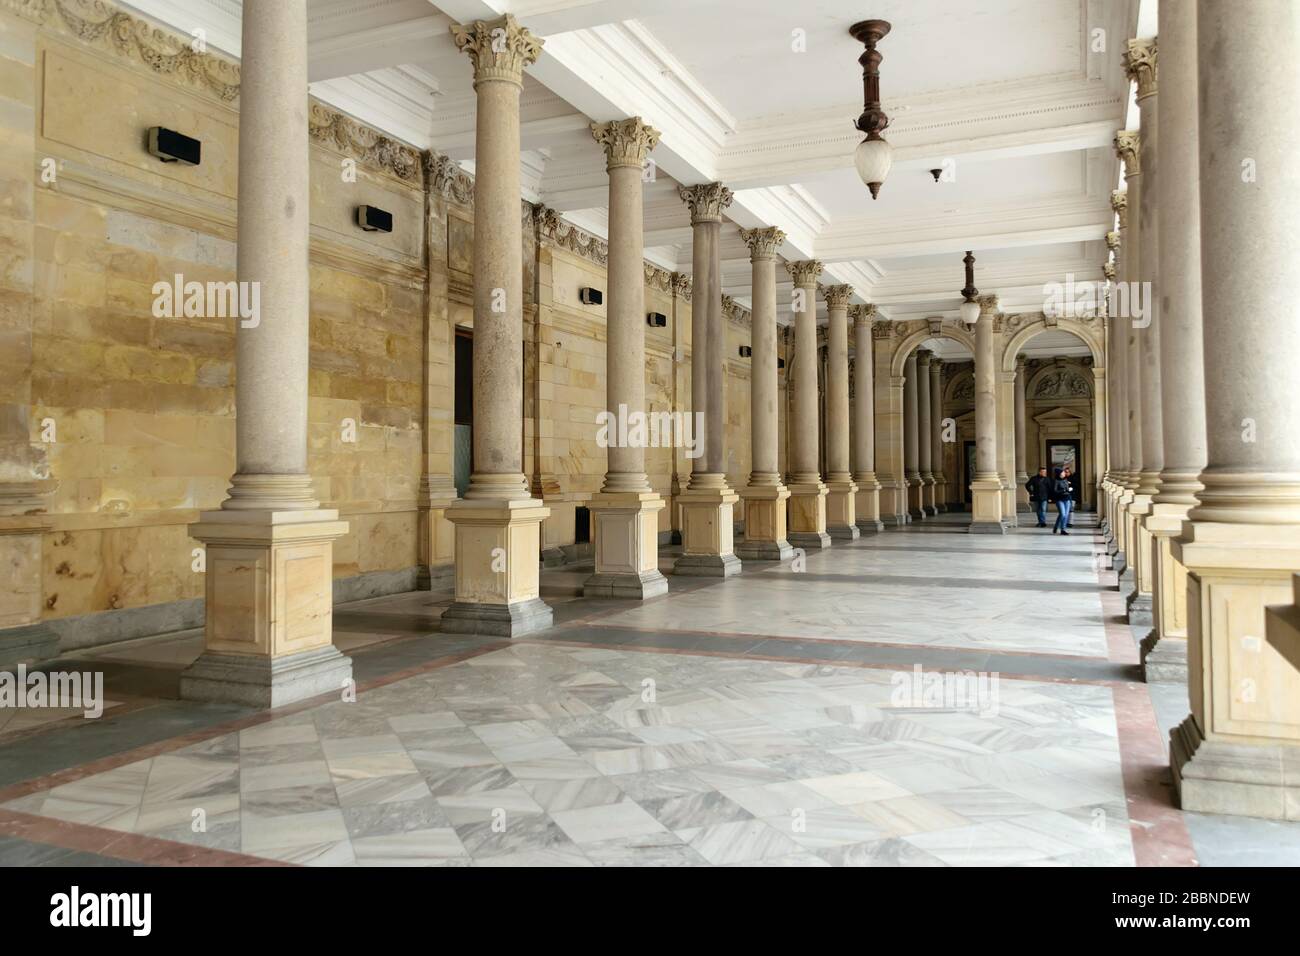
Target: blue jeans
column 1041, row 505
column 1063, row 514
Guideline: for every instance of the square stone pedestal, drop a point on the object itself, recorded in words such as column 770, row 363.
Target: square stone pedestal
column 867, row 507
column 765, row 524
column 915, row 499
column 498, row 567
column 23, row 638
column 707, row 543
column 808, row 515
column 625, row 529
column 893, row 504
column 1239, row 751
column 1164, row 649
column 269, row 608
column 986, row 507
column 436, row 550
column 841, row 510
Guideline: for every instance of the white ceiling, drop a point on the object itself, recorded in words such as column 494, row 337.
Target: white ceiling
column 1008, row 94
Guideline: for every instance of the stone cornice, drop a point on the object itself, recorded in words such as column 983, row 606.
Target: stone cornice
column 626, row 142
column 102, row 25
column 564, row 235
column 329, row 127
column 804, row 272
column 444, row 177
column 706, row 201
column 657, row 278
column 1140, row 65
column 837, row 296
column 735, row 312
column 498, row 49
column 1127, row 145
column 762, row 243
column 34, row 10
column 682, row 286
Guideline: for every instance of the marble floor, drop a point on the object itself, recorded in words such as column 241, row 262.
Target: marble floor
column 920, row 697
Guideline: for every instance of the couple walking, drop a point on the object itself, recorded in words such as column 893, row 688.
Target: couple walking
column 1058, row 489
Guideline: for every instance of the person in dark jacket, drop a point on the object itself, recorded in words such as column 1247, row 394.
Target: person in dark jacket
column 1068, row 474
column 1039, row 487
column 1062, row 495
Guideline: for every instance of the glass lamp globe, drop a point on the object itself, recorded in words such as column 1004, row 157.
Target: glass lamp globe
column 970, row 312
column 873, row 158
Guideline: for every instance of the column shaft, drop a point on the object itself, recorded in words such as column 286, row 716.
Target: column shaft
column 936, row 436
column 924, row 426
column 807, row 506
column 1022, row 471
column 841, row 499
column 864, row 420
column 986, row 488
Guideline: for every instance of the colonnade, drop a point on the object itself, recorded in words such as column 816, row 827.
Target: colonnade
column 1201, row 499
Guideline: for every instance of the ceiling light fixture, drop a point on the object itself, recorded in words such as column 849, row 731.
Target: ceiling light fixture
column 936, row 173
column 970, row 309
column 874, row 156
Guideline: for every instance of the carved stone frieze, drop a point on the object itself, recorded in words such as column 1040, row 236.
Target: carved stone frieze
column 444, row 176
column 564, row 235
column 331, row 128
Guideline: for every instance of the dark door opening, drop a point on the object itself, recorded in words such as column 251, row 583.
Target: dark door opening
column 968, row 465
column 1062, row 452
column 463, row 413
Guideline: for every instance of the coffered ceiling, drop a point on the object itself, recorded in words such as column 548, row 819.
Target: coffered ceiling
column 1017, row 100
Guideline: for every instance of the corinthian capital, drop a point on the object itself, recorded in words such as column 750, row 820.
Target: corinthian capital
column 1113, row 241
column 805, row 272
column 762, row 243
column 1108, row 270
column 1140, row 65
column 499, row 49
column 837, row 296
column 627, row 142
column 862, row 314
column 707, row 200
column 1127, row 145
column 1119, row 205
column 988, row 304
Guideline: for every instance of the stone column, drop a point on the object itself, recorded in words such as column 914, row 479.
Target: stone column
column 1164, row 651
column 864, row 420
column 1140, row 61
column 766, row 495
column 936, row 436
column 986, row 488
column 1239, row 750
column 1128, row 144
column 708, row 502
column 625, row 513
column 1022, row 473
column 924, row 430
column 268, row 635
column 498, row 522
column 1117, row 390
column 807, row 492
column 24, row 467
column 911, row 435
column 841, row 490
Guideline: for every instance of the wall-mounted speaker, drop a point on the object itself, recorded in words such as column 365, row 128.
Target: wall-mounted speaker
column 656, row 320
column 746, row 351
column 173, row 147
column 591, row 296
column 373, row 219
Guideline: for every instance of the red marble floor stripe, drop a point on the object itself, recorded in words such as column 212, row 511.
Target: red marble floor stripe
column 113, row 761
column 132, row 847
column 1160, row 836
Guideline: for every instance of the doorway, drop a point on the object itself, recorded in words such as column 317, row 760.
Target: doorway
column 463, row 450
column 968, row 464
column 1063, row 452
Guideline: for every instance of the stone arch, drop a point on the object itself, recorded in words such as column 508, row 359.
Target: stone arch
column 958, row 381
column 1071, row 367
column 1079, row 328
column 909, row 344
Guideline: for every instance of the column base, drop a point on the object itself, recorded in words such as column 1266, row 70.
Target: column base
column 515, row 619
column 264, row 682
column 1219, row 776
column 808, row 515
column 870, row 526
column 1164, row 660
column 707, row 545
column 27, row 644
column 765, row 524
column 987, row 527
column 841, row 509
column 1119, row 564
column 497, row 567
column 867, row 506
column 268, row 608
column 1139, row 606
column 625, row 529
